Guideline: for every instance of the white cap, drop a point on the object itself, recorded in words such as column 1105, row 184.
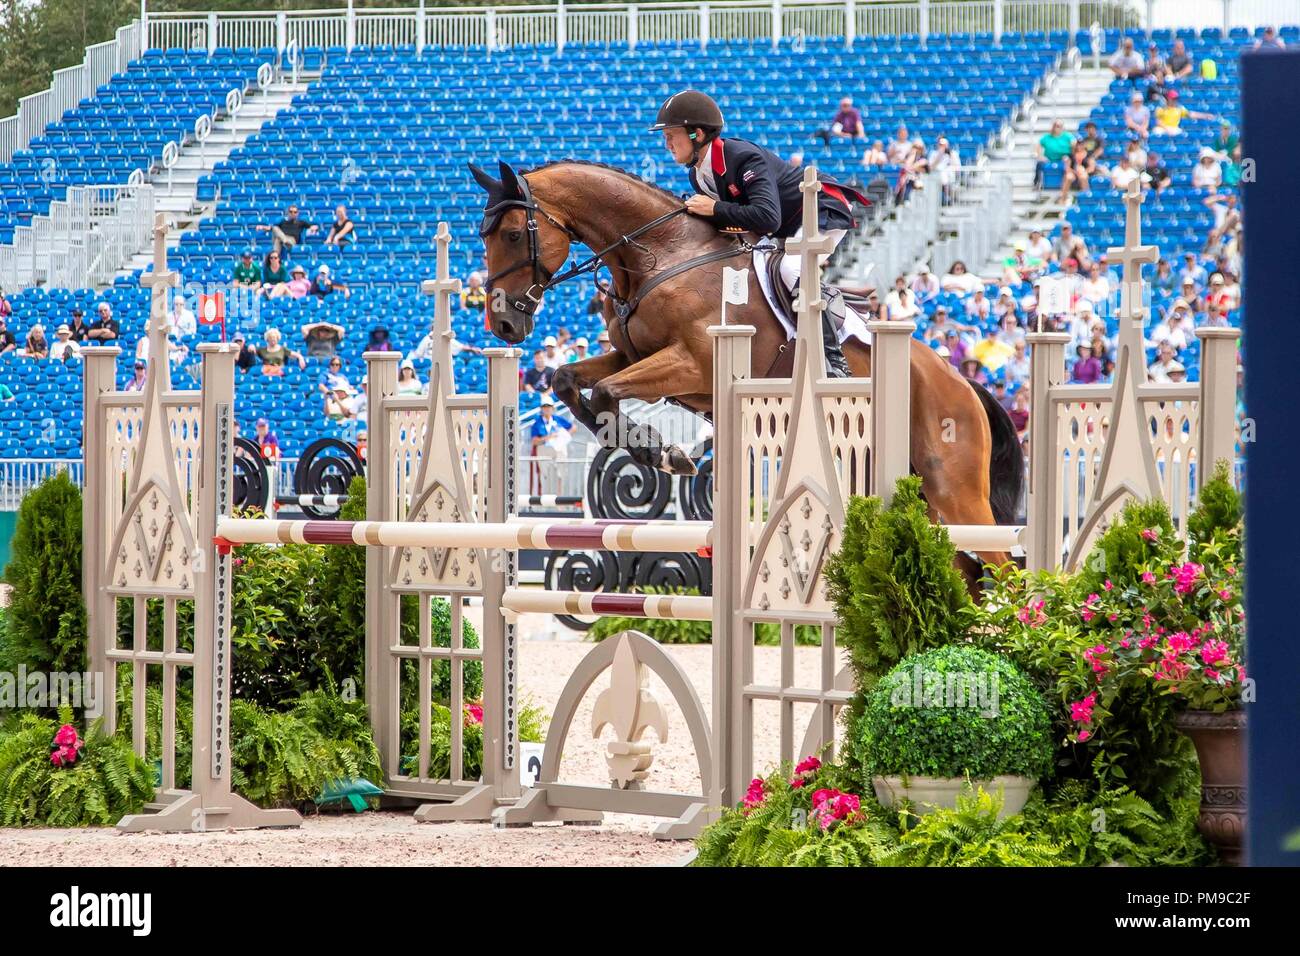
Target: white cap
column 582, row 340
column 548, row 341
column 547, row 400
column 324, row 270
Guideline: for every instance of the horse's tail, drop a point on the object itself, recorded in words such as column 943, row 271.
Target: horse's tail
column 1006, row 460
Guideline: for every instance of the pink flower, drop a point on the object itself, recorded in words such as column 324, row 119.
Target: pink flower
column 1150, row 534
column 1032, row 613
column 1084, row 735
column 1180, row 643
column 1185, row 576
column 1088, row 615
column 1125, row 643
column 797, row 782
column 1148, row 577
column 808, row 765
column 475, row 713
column 1225, row 595
column 754, row 795
column 1147, row 642
column 67, row 736
column 1108, row 586
column 1082, row 710
column 56, row 758
column 1213, row 652
column 1211, row 673
column 831, row 805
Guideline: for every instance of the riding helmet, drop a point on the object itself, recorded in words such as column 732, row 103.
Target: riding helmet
column 689, row 109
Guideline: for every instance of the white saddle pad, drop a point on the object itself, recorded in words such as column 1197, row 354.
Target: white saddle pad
column 854, row 325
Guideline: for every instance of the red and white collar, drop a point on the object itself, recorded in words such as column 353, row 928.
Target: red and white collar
column 718, row 158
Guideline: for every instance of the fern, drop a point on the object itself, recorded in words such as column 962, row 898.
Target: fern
column 972, row 835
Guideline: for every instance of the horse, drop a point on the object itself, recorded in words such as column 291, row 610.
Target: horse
column 665, row 292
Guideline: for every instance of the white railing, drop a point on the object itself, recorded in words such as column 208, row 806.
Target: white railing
column 83, row 240
column 19, row 476
column 68, row 88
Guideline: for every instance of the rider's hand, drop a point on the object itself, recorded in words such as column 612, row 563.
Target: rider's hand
column 700, row 206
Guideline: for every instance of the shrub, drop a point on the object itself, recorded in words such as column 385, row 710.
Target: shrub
column 979, row 716
column 532, row 728
column 108, row 781
column 45, row 624
column 972, row 835
column 894, row 587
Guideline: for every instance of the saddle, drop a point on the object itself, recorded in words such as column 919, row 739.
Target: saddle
column 783, row 299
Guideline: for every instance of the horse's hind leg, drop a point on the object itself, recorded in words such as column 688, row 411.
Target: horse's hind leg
column 570, row 379
column 669, row 372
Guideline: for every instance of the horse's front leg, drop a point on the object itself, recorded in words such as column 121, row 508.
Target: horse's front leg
column 670, row 372
column 571, row 379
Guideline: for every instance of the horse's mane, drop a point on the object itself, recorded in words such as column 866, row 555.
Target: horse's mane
column 613, row 169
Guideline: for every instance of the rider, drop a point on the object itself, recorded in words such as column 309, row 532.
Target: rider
column 743, row 186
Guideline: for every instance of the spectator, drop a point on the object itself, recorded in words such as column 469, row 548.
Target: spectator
column 1080, row 324
column 267, row 442
column 971, row 370
column 1215, row 317
column 64, row 348
column 847, row 123
column 78, row 325
column 6, row 310
column 1137, row 117
column 925, row 285
column 182, row 320
column 1225, row 141
column 1019, row 412
column 1179, row 64
column 1225, row 293
column 900, row 147
column 579, row 351
column 1123, row 174
column 1053, row 147
column 1017, row 367
column 551, row 347
column 247, row 356
column 1193, row 271
column 339, row 406
column 602, row 342
column 550, row 433
column 1077, row 175
column 1169, row 117
column 945, row 161
column 1207, row 174
column 596, row 304
column 1192, row 295
column 978, row 307
column 248, row 275
column 408, row 383
column 1165, row 281
column 8, row 343
column 1155, row 175
column 900, row 304
column 1127, row 63
column 361, row 404
column 1136, row 153
column 288, row 231
column 1096, row 288
column 1069, row 246
column 475, row 295
column 1170, row 331
column 139, row 378
column 1095, row 145
column 1039, row 246
column 956, row 348
column 36, row 346
column 298, row 286
column 1270, row 41
column 875, row 155
column 378, row 340
column 275, row 276
column 991, row 351
column 1009, row 331
column 342, row 230
column 1232, row 168
column 1155, row 70
column 6, row 394
column 332, row 375
column 942, row 323
column 796, row 159
column 913, row 168
column 1069, row 275
column 1183, row 314
column 960, row 281
column 274, row 355
column 562, row 345
column 1087, row 367
column 1000, row 393
column 104, row 330
column 1177, row 374
column 1227, row 221
column 1158, row 371
column 324, row 284
column 322, row 339
column 538, row 378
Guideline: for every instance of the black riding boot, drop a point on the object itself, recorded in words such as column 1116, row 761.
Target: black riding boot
column 836, row 365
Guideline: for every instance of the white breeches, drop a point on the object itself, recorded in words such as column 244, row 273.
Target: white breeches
column 792, row 263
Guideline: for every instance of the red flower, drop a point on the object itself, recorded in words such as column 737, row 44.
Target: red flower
column 474, row 712
column 808, row 765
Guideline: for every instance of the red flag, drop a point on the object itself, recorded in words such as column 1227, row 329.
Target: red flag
column 212, row 310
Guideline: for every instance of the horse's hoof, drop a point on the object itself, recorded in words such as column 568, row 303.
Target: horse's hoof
column 676, row 462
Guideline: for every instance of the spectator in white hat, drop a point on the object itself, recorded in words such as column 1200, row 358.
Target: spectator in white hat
column 63, row 347
column 925, row 285
column 1207, row 174
column 552, row 356
column 324, row 284
column 550, row 435
column 602, row 342
column 579, row 350
column 408, row 383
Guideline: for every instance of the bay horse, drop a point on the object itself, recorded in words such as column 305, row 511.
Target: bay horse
column 661, row 347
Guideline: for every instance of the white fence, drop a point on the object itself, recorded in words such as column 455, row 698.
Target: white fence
column 83, row 240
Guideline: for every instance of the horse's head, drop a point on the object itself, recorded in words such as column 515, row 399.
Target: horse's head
column 525, row 247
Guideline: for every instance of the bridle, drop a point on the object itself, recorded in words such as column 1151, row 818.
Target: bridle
column 545, row 280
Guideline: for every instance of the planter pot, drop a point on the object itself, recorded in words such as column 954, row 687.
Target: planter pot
column 1220, row 741
column 931, row 793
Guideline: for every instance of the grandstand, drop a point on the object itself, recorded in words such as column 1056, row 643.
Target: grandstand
column 387, row 129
